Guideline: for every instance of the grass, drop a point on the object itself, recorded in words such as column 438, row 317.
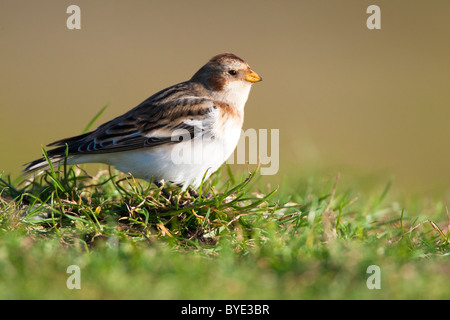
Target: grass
column 310, row 239
column 242, row 241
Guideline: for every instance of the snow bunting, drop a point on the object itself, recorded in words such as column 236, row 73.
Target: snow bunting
column 179, row 135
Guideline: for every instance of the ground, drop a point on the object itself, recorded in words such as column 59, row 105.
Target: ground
column 239, row 239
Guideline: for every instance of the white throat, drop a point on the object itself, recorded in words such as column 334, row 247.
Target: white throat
column 235, row 93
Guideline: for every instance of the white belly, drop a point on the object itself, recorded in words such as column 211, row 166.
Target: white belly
column 184, row 163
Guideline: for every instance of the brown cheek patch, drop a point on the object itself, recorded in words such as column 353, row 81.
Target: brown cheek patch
column 216, row 83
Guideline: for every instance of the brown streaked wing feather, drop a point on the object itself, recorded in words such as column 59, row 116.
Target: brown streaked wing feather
column 148, row 125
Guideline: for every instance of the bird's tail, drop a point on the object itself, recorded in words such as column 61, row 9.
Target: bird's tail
column 55, row 157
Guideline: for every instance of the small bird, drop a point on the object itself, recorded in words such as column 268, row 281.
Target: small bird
column 181, row 134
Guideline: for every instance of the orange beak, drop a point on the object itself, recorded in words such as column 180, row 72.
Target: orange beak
column 253, row 77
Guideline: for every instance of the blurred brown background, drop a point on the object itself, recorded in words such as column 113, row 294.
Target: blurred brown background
column 342, row 96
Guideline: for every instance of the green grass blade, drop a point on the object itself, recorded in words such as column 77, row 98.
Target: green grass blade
column 91, row 123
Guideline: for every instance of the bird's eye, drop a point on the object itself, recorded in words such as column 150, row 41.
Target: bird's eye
column 232, row 72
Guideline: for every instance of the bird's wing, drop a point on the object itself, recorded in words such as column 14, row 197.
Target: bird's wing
column 152, row 123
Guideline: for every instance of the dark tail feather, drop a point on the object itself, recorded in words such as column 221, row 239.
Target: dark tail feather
column 56, row 157
column 68, row 141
